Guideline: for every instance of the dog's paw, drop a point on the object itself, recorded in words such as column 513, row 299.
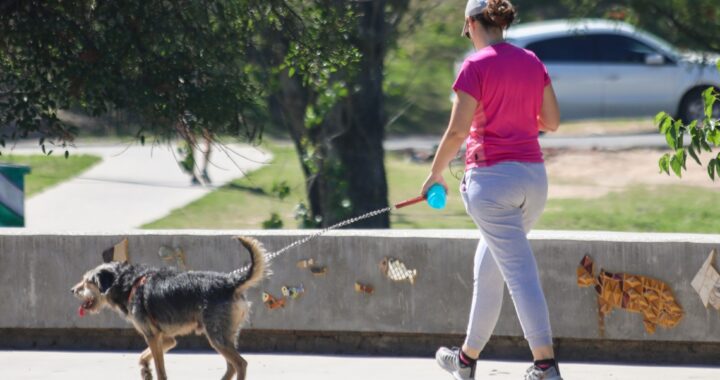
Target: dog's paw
column 145, row 373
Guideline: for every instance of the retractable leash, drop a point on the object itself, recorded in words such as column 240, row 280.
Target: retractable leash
column 435, row 197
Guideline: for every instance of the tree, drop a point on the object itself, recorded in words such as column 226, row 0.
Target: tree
column 704, row 135
column 338, row 130
column 692, row 24
column 182, row 66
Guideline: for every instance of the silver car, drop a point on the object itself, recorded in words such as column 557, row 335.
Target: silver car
column 609, row 69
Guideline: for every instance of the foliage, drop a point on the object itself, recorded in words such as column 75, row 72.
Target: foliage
column 274, row 223
column 180, row 65
column 47, row 171
column 691, row 24
column 704, row 135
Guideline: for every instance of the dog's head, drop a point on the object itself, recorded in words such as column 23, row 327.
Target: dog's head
column 94, row 286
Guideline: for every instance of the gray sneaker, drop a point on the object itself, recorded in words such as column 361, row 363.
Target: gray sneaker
column 534, row 373
column 449, row 360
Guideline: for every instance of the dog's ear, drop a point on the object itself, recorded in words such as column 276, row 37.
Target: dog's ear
column 105, row 279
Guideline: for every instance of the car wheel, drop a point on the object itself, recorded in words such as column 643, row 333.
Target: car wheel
column 692, row 107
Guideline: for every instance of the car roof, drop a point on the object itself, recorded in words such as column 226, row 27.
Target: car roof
column 563, row 27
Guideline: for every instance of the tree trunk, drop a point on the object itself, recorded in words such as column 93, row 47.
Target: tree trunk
column 360, row 147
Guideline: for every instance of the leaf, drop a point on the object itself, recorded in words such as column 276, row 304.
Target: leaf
column 665, row 164
column 142, row 140
column 67, row 154
column 709, row 99
column 43, row 148
column 718, row 64
column 660, row 118
column 694, row 155
column 711, row 169
column 666, row 125
column 671, row 139
column 676, row 166
column 291, row 72
column 680, row 155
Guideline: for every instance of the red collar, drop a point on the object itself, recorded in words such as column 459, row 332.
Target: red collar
column 138, row 283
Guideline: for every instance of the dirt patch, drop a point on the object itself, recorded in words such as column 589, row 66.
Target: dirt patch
column 606, row 127
column 593, row 174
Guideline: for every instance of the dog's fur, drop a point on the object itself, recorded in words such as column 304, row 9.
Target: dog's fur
column 163, row 303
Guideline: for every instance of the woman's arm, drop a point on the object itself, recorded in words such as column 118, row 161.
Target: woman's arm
column 549, row 119
column 458, row 129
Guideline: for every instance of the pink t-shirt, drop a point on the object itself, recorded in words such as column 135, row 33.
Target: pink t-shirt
column 508, row 83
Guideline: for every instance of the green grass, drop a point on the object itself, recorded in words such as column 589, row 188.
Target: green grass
column 247, row 202
column 641, row 209
column 47, row 171
column 244, row 203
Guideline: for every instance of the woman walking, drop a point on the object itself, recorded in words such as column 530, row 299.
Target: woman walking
column 504, row 98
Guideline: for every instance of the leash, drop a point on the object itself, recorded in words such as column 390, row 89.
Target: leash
column 271, row 256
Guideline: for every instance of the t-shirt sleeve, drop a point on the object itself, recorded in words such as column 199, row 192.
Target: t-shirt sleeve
column 546, row 76
column 469, row 81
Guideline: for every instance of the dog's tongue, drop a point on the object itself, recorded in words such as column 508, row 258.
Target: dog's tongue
column 81, row 311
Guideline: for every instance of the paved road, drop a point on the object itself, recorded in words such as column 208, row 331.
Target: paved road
column 572, row 142
column 133, row 185
column 22, row 365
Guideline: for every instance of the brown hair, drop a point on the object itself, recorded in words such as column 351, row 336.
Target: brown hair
column 497, row 14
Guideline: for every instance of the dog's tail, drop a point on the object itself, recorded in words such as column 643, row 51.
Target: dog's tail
column 258, row 265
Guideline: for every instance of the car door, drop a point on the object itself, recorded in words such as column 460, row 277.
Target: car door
column 640, row 80
column 573, row 63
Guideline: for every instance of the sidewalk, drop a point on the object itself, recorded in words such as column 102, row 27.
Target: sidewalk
column 22, row 365
column 133, row 185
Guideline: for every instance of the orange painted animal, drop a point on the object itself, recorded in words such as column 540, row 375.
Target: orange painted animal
column 638, row 294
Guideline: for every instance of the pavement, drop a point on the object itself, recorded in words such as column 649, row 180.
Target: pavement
column 133, row 185
column 73, row 365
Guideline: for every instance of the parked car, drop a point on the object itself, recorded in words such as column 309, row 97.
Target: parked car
column 610, row 69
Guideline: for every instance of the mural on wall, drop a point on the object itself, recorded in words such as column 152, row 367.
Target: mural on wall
column 293, row 292
column 118, row 252
column 638, row 294
column 396, row 270
column 364, row 288
column 707, row 283
column 271, row 302
column 173, row 256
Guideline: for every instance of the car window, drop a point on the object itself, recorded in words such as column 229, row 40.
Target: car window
column 622, row 49
column 570, row 49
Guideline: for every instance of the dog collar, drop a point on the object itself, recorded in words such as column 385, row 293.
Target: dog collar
column 138, row 283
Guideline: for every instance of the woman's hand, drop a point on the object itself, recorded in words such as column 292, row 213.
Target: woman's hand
column 433, row 179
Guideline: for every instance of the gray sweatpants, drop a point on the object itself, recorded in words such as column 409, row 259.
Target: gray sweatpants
column 505, row 200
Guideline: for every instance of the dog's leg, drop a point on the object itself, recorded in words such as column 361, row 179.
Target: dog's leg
column 168, row 344
column 235, row 361
column 156, row 347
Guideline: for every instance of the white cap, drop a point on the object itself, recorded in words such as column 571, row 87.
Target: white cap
column 473, row 8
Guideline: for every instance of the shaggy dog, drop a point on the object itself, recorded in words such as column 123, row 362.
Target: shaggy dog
column 163, row 303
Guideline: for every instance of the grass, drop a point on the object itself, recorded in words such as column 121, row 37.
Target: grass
column 246, row 203
column 47, row 171
column 640, row 209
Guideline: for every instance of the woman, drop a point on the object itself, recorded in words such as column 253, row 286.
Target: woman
column 504, row 98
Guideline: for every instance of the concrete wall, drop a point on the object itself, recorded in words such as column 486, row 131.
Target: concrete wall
column 37, row 271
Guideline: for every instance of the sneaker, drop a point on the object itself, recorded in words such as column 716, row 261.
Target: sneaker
column 535, row 373
column 449, row 360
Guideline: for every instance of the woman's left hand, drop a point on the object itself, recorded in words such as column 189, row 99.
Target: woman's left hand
column 433, row 179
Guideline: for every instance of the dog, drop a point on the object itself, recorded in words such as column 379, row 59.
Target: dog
column 162, row 303
column 652, row 298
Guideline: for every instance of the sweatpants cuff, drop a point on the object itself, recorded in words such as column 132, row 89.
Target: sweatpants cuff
column 476, row 343
column 539, row 340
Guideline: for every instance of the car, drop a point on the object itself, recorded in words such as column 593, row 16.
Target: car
column 610, row 69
